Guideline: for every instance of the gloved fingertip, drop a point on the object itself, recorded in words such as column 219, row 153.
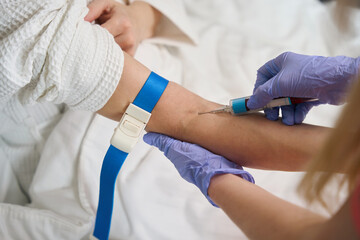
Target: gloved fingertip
column 288, row 121
column 252, row 103
column 288, row 115
column 259, row 99
column 158, row 140
column 299, row 117
column 272, row 114
column 149, row 138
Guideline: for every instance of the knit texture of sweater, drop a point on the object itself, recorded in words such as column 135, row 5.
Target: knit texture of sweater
column 49, row 53
column 49, row 57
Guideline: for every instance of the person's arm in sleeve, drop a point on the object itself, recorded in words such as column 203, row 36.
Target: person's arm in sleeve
column 49, row 53
column 248, row 140
column 262, row 215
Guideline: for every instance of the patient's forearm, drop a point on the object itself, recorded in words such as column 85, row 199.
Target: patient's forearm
column 254, row 141
column 250, row 140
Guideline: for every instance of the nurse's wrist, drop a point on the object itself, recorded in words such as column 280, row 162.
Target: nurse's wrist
column 216, row 184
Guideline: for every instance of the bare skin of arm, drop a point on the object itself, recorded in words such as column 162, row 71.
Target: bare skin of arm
column 250, row 140
column 262, row 215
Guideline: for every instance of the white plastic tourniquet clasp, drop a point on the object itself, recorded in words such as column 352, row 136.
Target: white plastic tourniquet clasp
column 130, row 127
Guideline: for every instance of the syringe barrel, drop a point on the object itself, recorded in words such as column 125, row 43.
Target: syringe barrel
column 285, row 101
column 278, row 102
column 239, row 105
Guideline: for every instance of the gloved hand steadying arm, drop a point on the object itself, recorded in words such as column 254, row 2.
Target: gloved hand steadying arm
column 194, row 163
column 295, row 75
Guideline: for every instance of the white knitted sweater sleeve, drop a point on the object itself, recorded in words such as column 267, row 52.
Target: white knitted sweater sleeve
column 49, row 53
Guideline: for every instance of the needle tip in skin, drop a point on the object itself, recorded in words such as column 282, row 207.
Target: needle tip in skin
column 219, row 110
column 201, row 113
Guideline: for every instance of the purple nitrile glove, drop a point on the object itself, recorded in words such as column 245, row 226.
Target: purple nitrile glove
column 194, row 163
column 295, row 75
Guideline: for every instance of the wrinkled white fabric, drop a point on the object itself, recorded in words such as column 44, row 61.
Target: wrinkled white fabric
column 49, row 55
column 151, row 200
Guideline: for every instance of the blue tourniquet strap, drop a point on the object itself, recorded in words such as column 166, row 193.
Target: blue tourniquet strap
column 112, row 163
column 151, row 92
column 146, row 99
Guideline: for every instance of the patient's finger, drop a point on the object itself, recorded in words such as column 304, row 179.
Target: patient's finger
column 103, row 18
column 131, row 51
column 96, row 9
column 115, row 26
column 127, row 42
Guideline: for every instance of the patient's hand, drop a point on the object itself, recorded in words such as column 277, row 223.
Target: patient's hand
column 129, row 24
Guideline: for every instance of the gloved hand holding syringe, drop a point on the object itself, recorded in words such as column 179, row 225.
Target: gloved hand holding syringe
column 238, row 106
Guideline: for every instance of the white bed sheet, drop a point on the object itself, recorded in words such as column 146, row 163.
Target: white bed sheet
column 236, row 37
column 152, row 201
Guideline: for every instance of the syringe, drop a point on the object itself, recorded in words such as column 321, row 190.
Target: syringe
column 238, row 106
